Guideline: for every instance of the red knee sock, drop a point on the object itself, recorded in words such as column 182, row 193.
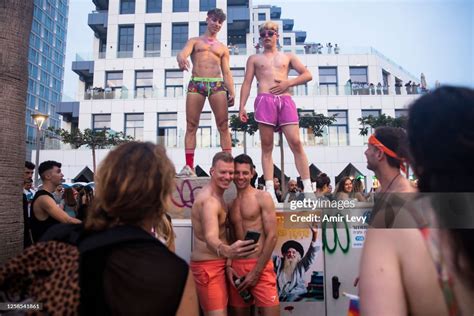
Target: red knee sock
column 189, row 153
column 227, row 150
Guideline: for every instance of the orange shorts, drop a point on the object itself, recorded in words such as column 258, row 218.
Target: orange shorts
column 211, row 284
column 265, row 292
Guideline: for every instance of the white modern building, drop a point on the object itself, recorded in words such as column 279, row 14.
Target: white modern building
column 132, row 83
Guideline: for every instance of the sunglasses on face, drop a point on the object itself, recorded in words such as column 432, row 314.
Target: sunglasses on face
column 268, row 33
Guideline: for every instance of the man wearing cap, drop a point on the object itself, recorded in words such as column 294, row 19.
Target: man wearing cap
column 291, row 267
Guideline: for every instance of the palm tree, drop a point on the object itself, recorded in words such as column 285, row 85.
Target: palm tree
column 15, row 23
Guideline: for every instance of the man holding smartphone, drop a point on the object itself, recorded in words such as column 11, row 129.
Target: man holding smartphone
column 211, row 247
column 252, row 216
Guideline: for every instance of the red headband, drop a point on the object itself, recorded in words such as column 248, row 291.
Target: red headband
column 375, row 142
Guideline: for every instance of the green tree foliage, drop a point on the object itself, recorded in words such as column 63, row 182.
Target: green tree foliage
column 93, row 139
column 381, row 120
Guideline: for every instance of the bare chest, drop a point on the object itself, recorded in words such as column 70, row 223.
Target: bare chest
column 215, row 50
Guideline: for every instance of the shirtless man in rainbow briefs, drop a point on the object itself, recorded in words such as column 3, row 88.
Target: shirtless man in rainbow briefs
column 274, row 107
column 211, row 78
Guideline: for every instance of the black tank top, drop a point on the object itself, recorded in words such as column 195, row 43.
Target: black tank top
column 39, row 227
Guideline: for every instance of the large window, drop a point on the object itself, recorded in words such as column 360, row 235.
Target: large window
column 167, row 133
column 144, row 83
column 307, row 135
column 206, row 5
column 179, row 37
column 114, row 79
column 367, row 113
column 152, row 40
column 125, row 44
column 153, row 6
column 173, row 83
column 202, row 28
column 127, row 6
column 100, row 121
column 328, row 80
column 262, row 17
column 287, row 41
column 238, row 75
column 401, row 112
column 358, row 74
column 203, row 135
column 180, row 5
column 134, row 125
column 301, row 89
column 338, row 131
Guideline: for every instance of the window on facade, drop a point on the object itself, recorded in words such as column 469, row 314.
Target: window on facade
column 202, row 28
column 306, row 134
column 153, row 6
column 358, row 74
column 100, row 121
column 125, row 44
column 167, row 132
column 401, row 112
column 262, row 17
column 238, row 75
column 144, row 83
column 287, row 41
column 206, row 5
column 236, row 137
column 173, row 83
column 338, row 131
column 102, row 47
column 152, row 40
column 180, row 5
column 113, row 83
column 203, row 135
column 367, row 113
column 127, row 6
column 134, row 125
column 328, row 80
column 179, row 37
column 301, row 89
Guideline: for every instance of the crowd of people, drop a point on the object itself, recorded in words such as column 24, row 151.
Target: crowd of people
column 116, row 256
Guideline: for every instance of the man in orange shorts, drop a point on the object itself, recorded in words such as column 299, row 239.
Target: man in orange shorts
column 210, row 247
column 252, row 210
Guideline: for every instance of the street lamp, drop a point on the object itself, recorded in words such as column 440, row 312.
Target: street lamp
column 39, row 120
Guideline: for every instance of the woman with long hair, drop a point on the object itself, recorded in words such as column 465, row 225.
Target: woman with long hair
column 133, row 188
column 344, row 189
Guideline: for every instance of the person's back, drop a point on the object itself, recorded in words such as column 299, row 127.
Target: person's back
column 39, row 226
column 144, row 278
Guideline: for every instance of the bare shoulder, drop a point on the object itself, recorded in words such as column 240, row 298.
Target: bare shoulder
column 263, row 197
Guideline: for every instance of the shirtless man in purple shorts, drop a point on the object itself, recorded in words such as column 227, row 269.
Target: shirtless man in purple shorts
column 274, row 107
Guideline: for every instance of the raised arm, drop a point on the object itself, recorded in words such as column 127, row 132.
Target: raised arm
column 269, row 227
column 182, row 57
column 210, row 225
column 227, row 75
column 49, row 206
column 245, row 89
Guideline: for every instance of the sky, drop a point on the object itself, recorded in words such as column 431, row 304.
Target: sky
column 435, row 37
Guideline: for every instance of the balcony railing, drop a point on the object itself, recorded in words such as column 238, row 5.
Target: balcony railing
column 125, row 54
column 152, row 53
column 298, row 91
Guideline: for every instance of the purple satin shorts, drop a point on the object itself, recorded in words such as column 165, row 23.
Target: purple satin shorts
column 275, row 110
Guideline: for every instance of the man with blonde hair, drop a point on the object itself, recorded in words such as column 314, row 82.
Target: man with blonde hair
column 274, row 107
column 211, row 247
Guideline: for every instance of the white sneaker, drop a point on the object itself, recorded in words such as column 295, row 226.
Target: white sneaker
column 186, row 172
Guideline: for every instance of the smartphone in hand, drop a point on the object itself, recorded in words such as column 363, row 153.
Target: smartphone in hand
column 252, row 235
